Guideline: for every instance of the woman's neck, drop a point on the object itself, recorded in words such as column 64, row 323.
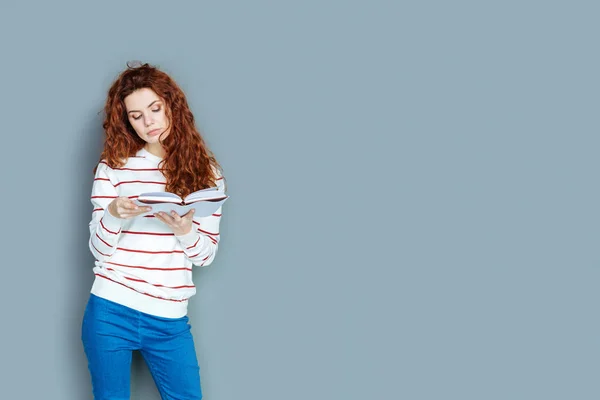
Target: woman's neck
column 155, row 149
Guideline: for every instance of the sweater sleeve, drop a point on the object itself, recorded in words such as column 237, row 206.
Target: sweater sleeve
column 200, row 245
column 105, row 229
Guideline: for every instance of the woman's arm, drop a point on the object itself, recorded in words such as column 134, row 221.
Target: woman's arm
column 105, row 229
column 200, row 245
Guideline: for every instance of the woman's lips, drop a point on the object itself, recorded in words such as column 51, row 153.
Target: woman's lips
column 154, row 132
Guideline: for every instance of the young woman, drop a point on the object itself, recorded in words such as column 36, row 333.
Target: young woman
column 143, row 268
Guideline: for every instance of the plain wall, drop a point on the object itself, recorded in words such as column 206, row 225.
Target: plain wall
column 414, row 194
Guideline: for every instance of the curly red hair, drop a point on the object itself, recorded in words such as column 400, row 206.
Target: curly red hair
column 188, row 164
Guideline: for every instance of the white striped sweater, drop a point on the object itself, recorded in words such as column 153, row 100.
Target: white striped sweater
column 140, row 263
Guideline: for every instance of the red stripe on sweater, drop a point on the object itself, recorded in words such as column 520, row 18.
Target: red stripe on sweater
column 103, row 240
column 168, row 287
column 102, row 223
column 105, row 255
column 196, row 255
column 208, row 233
column 155, row 284
column 131, row 169
column 128, row 287
column 97, row 209
column 217, row 215
column 104, row 197
column 102, row 179
column 153, row 182
column 148, row 233
column 150, row 252
column 194, row 245
column 137, row 169
column 149, row 268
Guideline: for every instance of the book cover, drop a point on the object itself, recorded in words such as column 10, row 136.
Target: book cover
column 205, row 202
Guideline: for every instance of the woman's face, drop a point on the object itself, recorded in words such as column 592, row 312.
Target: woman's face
column 146, row 114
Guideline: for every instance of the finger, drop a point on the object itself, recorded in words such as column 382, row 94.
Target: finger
column 136, row 211
column 175, row 216
column 129, row 205
column 189, row 214
column 141, row 209
column 167, row 217
column 159, row 217
column 129, row 215
column 164, row 218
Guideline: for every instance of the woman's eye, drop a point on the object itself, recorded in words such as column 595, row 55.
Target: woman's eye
column 138, row 117
column 156, row 109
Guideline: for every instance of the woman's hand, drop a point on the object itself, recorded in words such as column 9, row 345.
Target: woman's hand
column 179, row 225
column 123, row 207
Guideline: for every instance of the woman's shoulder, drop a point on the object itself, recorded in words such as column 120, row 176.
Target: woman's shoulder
column 103, row 165
column 130, row 164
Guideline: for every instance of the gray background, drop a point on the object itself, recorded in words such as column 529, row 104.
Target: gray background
column 414, row 193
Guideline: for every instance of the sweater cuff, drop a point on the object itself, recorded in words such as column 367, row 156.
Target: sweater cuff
column 111, row 222
column 189, row 239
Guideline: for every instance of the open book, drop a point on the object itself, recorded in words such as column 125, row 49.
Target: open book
column 204, row 201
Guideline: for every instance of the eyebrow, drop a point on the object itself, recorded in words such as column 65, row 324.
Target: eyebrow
column 149, row 105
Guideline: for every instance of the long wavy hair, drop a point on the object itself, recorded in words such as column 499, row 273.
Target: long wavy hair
column 188, row 164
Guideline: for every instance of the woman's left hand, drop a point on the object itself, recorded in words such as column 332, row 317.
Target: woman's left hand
column 179, row 225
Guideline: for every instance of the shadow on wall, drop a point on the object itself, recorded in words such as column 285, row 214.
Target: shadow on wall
column 82, row 262
column 87, row 153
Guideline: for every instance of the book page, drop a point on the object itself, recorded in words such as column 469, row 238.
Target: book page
column 205, row 194
column 159, row 197
column 203, row 208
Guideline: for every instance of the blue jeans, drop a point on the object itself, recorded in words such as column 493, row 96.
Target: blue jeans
column 111, row 332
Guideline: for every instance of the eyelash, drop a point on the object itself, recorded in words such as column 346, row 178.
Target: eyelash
column 139, row 116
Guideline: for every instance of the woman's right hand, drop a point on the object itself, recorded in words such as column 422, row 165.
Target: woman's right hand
column 123, row 207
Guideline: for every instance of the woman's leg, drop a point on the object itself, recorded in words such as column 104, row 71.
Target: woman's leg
column 168, row 349
column 109, row 335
